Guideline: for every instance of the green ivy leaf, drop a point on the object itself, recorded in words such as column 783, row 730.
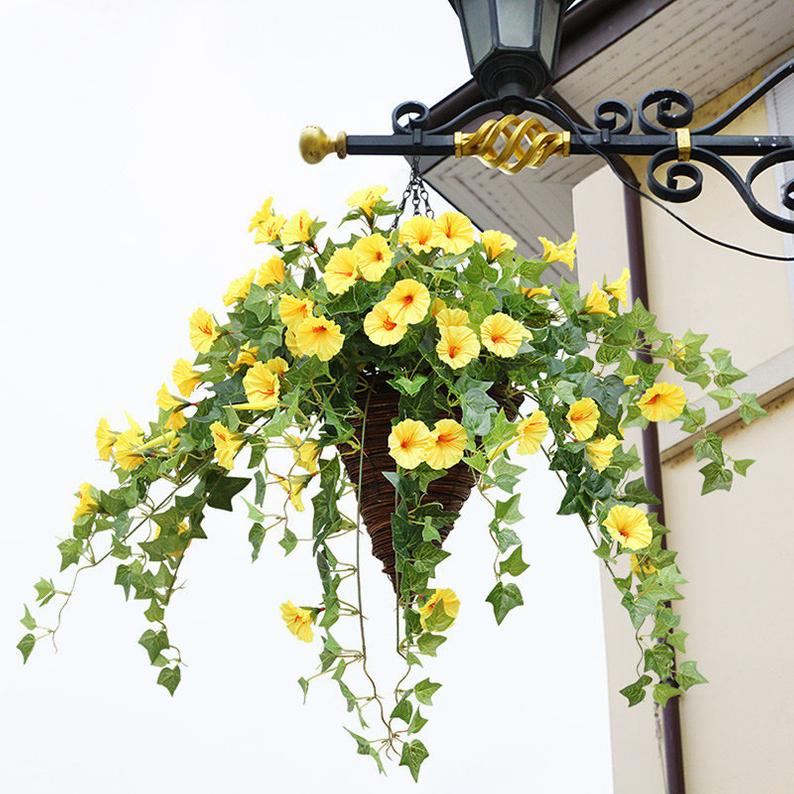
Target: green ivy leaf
column 636, row 491
column 25, row 646
column 710, row 448
column 504, row 474
column 741, row 466
column 507, row 511
column 716, row 478
column 723, row 397
column 503, row 598
column 417, row 723
column 169, row 678
column 688, row 675
column 27, row 620
column 663, row 692
column 70, row 549
column 402, row 711
column 750, row 410
column 425, row 690
column 289, row 541
column 409, row 386
column 429, row 643
column 363, row 747
column 45, row 590
column 155, row 642
column 514, row 564
column 256, row 536
column 635, row 693
column 413, row 755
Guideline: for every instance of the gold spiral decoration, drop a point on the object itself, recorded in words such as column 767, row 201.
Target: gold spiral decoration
column 512, row 144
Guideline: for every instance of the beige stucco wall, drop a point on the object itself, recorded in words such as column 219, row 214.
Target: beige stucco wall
column 736, row 549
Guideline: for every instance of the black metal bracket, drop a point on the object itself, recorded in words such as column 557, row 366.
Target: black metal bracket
column 663, row 116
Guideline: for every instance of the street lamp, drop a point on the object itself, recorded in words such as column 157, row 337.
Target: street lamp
column 511, row 44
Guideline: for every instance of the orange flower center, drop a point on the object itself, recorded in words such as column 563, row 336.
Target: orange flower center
column 453, row 351
column 445, row 439
column 408, row 300
column 319, row 329
column 388, row 325
column 653, row 400
column 497, row 338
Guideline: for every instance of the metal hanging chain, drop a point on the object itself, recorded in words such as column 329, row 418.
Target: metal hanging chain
column 417, row 192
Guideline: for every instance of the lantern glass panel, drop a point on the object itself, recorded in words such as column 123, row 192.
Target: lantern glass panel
column 549, row 23
column 516, row 23
column 477, row 24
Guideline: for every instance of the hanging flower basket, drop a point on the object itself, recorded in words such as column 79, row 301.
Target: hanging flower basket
column 404, row 367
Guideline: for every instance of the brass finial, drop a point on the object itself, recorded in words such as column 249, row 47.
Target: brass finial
column 315, row 144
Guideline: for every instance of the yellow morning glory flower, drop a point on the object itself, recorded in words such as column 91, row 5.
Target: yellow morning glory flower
column 583, row 418
column 619, row 287
column 367, row 198
column 452, row 317
column 271, row 272
column 298, row 620
column 293, row 311
column 262, row 215
column 407, row 302
column 341, row 271
column 261, row 389
column 440, row 610
column 536, row 292
column 227, row 444
column 630, row 380
column 277, row 365
column 564, row 252
column 105, row 439
column 599, row 451
column 319, row 336
column 166, row 400
column 203, row 331
column 246, row 356
column 663, row 402
column 305, row 453
column 373, row 256
column 297, row 229
column 531, row 432
column 417, row 234
column 502, row 335
column 629, row 526
column 176, row 420
column 457, row 346
column 293, row 486
column 269, row 230
column 453, row 233
column 641, row 566
column 597, row 302
column 496, row 243
column 185, row 377
column 381, row 328
column 409, row 443
column 87, row 504
column 239, row 288
column 447, row 444
column 129, row 444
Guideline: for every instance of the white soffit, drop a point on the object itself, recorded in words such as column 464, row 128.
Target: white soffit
column 700, row 46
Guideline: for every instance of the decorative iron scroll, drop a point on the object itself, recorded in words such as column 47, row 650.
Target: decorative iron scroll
column 664, row 117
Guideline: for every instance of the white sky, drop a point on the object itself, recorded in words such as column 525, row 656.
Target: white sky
column 136, row 141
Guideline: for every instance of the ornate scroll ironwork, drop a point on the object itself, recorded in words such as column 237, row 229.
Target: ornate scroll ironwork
column 664, row 117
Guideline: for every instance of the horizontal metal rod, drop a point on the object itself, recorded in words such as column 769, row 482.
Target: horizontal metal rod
column 726, row 145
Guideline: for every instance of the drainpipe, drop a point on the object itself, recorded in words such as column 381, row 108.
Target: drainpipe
column 671, row 715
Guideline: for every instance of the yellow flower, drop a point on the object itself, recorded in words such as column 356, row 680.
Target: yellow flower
column 166, row 400
column 447, row 443
column 381, row 328
column 373, row 256
column 127, row 451
column 262, row 215
column 87, row 504
column 185, row 377
column 619, row 287
column 458, row 345
column 367, row 198
column 318, row 336
column 203, row 331
column 227, row 444
column 261, row 389
column 440, row 610
column 597, row 302
column 297, row 229
column 409, row 443
column 637, row 567
column 246, row 356
column 239, row 288
column 663, row 402
column 629, row 526
column 438, row 306
column 176, row 421
column 341, row 271
column 277, row 365
column 271, row 272
column 407, row 302
column 299, row 621
column 452, row 317
column 531, row 432
column 583, row 418
column 269, row 230
column 290, row 340
column 293, row 311
column 496, row 243
column 630, row 380
column 599, row 451
column 564, row 252
column 417, row 234
column 452, row 233
column 306, row 453
column 502, row 335
column 292, row 487
column 105, row 439
column 535, row 292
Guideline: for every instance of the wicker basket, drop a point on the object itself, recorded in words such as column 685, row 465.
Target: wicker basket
column 376, row 498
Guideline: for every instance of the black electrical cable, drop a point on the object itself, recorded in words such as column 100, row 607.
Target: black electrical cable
column 632, row 186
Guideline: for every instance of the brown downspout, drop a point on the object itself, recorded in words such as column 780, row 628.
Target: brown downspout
column 671, row 716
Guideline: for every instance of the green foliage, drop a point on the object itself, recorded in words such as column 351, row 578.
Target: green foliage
column 564, row 353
